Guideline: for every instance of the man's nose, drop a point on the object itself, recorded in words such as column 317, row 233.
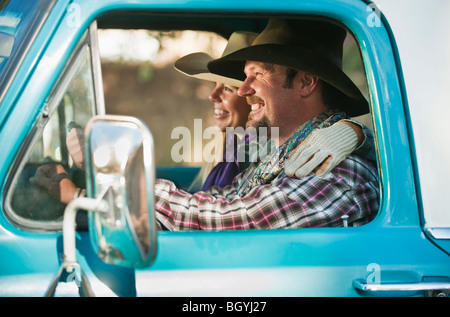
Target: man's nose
column 246, row 88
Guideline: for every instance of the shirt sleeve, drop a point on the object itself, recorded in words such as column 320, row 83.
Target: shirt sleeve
column 367, row 148
column 286, row 203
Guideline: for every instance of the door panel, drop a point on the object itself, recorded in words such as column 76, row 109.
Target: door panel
column 306, row 262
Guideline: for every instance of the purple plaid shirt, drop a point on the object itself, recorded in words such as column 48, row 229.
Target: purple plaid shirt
column 351, row 189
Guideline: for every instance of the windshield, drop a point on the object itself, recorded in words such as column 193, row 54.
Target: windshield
column 20, row 21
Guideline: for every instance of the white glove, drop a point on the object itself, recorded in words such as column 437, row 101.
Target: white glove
column 326, row 147
column 75, row 145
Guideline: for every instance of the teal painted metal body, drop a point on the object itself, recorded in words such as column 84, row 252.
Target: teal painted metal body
column 307, row 262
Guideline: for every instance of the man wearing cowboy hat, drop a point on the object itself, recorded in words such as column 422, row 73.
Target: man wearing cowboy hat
column 325, row 156
column 293, row 79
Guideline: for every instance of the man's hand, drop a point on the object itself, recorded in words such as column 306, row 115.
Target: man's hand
column 324, row 149
column 54, row 179
column 75, row 145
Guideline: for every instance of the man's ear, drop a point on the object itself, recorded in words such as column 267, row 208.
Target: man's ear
column 306, row 83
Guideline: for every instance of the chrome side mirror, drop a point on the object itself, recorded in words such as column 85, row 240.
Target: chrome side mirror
column 120, row 172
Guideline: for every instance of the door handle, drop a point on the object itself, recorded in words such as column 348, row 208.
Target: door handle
column 440, row 289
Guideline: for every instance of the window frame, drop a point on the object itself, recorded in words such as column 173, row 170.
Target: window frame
column 86, row 46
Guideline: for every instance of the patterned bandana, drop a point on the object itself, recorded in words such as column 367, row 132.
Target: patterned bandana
column 268, row 170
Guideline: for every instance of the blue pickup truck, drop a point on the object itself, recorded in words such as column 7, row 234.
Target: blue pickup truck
column 51, row 75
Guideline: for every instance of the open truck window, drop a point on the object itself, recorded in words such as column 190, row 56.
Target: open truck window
column 138, row 79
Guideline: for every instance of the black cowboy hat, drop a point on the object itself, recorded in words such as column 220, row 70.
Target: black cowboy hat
column 310, row 46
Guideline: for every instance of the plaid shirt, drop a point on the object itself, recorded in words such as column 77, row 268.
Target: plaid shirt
column 351, row 189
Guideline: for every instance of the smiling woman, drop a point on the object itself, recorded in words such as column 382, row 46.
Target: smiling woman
column 230, row 110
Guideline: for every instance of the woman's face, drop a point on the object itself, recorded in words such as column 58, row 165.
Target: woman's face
column 230, row 110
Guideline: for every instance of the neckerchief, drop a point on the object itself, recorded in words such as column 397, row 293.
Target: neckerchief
column 271, row 167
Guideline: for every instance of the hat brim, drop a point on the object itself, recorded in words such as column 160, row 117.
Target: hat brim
column 195, row 65
column 298, row 58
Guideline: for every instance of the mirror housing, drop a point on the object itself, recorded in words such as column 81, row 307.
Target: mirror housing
column 120, row 170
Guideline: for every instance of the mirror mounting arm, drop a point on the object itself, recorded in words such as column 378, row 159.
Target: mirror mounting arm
column 70, row 264
column 96, row 205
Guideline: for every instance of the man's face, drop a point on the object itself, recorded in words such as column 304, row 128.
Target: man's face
column 271, row 103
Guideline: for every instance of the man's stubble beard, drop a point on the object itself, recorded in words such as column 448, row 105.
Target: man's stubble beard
column 262, row 123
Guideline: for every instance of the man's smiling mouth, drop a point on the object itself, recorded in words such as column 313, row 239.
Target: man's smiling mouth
column 256, row 103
